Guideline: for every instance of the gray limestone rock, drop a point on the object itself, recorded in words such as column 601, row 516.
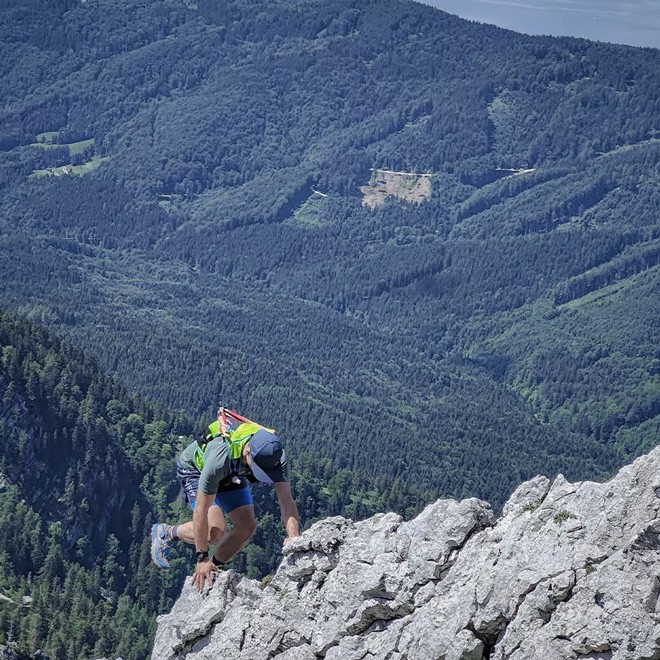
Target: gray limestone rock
column 569, row 571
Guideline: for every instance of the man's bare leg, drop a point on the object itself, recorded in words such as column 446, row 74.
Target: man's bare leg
column 217, row 527
column 244, row 526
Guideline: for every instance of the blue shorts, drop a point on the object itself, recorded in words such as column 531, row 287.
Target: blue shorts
column 228, row 499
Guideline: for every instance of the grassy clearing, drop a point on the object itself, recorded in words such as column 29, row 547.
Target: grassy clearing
column 309, row 215
column 629, row 147
column 89, row 165
column 47, row 137
column 74, row 147
column 79, row 147
column 408, row 187
column 71, row 169
column 602, row 293
column 52, row 171
column 46, row 145
column 168, row 201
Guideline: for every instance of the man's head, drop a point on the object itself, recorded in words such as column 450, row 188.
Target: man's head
column 267, row 457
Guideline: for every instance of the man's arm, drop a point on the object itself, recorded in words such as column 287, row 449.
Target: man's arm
column 204, row 569
column 200, row 520
column 288, row 509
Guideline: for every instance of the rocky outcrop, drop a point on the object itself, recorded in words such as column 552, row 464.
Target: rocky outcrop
column 570, row 571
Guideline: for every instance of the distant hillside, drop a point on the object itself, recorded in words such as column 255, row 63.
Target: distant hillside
column 505, row 326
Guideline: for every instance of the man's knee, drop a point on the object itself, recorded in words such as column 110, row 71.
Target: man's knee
column 215, row 535
column 246, row 530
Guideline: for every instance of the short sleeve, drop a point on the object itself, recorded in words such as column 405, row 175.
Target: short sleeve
column 216, row 467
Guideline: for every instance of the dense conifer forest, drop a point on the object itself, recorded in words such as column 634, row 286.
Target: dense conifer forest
column 182, row 224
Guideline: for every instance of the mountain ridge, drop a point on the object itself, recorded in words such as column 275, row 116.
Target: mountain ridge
column 569, row 572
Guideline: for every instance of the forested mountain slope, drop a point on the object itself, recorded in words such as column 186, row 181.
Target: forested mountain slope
column 508, row 325
column 84, row 471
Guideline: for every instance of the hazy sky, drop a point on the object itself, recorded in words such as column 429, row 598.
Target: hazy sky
column 633, row 22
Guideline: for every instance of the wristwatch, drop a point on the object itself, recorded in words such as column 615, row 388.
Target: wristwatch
column 201, row 555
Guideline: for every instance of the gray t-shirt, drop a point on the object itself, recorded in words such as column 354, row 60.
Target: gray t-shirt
column 217, row 470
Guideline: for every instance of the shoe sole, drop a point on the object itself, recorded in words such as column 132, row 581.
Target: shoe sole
column 154, row 538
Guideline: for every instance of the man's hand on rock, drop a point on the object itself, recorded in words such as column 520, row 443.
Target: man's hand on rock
column 204, row 574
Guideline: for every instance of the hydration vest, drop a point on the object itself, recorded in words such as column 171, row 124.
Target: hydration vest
column 235, row 438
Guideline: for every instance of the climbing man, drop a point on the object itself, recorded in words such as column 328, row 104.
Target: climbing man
column 214, row 473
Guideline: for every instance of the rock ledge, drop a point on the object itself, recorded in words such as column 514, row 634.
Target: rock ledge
column 570, row 571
